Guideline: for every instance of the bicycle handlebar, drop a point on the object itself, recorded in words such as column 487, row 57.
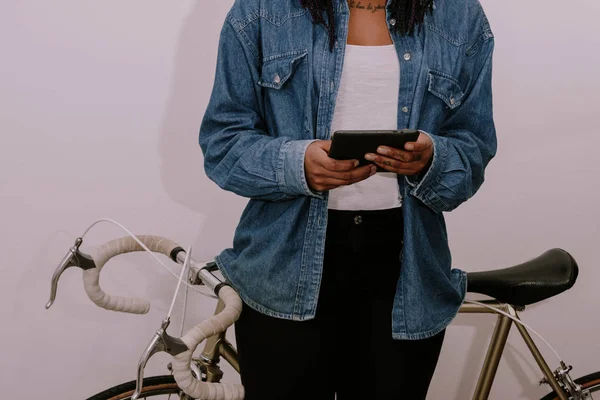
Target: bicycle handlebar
column 92, row 266
column 91, row 277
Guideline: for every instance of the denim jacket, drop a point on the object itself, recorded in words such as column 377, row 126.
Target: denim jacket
column 274, row 93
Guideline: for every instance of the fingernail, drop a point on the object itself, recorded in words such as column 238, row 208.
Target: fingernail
column 370, row 157
column 373, row 170
column 382, row 150
column 409, row 146
column 356, row 163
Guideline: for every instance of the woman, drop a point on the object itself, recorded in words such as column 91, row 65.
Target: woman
column 345, row 273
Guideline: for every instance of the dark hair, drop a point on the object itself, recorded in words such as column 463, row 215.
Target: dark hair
column 407, row 13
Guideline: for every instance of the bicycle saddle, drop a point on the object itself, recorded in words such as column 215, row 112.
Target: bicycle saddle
column 546, row 276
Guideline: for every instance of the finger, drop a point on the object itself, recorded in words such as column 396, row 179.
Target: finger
column 338, row 165
column 401, row 155
column 332, row 183
column 423, row 143
column 399, row 171
column 323, row 160
column 351, row 176
column 390, row 162
column 325, row 145
column 393, row 165
column 416, row 146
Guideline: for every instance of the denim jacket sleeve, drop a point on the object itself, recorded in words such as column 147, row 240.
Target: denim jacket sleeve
column 239, row 153
column 464, row 145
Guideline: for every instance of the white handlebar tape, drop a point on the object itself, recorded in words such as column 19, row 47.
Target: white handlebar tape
column 91, row 277
column 213, row 326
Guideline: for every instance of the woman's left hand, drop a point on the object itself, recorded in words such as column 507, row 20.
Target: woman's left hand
column 415, row 157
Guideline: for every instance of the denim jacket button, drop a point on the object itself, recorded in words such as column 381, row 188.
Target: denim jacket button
column 407, row 56
column 392, row 22
column 452, row 101
column 277, row 78
column 404, row 109
column 358, row 220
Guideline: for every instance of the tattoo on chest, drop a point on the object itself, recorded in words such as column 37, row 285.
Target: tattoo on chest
column 359, row 5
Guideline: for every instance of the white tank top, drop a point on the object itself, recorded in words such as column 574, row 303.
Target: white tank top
column 368, row 99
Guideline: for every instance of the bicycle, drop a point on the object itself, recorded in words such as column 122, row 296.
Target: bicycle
column 512, row 289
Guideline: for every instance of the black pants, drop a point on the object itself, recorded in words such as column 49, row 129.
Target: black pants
column 348, row 348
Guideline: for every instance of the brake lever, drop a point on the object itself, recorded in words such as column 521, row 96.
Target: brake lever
column 73, row 258
column 161, row 341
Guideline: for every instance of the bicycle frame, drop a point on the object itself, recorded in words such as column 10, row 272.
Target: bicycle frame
column 206, row 367
column 497, row 345
column 217, row 346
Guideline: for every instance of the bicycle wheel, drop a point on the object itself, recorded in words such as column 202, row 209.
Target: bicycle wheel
column 591, row 382
column 156, row 387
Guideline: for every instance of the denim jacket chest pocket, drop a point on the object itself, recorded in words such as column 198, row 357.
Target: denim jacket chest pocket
column 444, row 95
column 446, row 88
column 284, row 79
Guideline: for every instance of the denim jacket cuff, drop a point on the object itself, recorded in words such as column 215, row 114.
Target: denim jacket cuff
column 291, row 176
column 423, row 184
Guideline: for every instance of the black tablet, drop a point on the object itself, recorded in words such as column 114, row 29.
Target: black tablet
column 353, row 145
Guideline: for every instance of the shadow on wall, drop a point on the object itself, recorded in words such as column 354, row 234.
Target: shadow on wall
column 182, row 171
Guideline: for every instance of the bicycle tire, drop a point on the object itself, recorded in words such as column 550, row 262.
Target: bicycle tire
column 591, row 382
column 153, row 386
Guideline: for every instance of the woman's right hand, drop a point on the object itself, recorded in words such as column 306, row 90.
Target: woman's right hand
column 325, row 173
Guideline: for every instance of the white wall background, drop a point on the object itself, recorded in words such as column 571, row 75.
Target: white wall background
column 100, row 104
